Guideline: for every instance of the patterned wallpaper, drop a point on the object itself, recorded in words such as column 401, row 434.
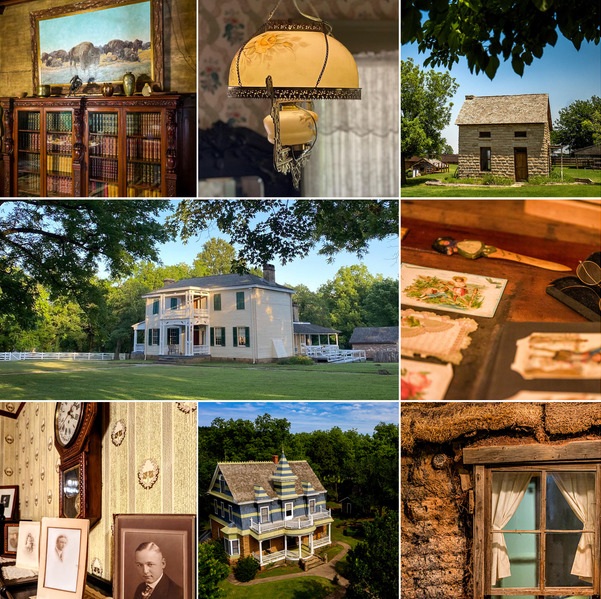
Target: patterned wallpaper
column 224, row 25
column 148, row 465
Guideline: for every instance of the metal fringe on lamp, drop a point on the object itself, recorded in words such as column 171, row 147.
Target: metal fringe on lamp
column 291, row 64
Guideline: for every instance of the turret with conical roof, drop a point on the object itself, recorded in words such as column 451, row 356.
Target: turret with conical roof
column 284, row 480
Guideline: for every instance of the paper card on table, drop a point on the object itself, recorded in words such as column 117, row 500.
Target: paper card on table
column 428, row 334
column 559, row 356
column 424, row 381
column 450, row 291
column 540, row 396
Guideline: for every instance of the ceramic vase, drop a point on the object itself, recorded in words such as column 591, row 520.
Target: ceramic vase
column 129, row 84
column 107, row 89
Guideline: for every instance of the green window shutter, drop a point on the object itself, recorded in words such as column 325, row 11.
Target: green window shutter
column 155, row 307
column 212, row 336
column 240, row 300
column 217, row 301
column 149, row 336
column 235, row 330
column 174, row 303
column 247, row 336
column 158, row 336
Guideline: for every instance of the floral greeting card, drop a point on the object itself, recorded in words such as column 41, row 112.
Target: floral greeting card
column 428, row 334
column 423, row 381
column 450, row 291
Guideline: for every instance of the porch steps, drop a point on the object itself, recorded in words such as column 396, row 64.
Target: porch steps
column 204, row 536
column 182, row 359
column 311, row 562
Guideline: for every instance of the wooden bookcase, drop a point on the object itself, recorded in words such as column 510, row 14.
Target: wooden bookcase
column 98, row 147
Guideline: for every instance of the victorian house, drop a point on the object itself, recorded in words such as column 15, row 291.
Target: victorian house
column 271, row 510
column 237, row 317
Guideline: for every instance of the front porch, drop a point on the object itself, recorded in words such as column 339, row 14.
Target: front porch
column 298, row 523
column 176, row 338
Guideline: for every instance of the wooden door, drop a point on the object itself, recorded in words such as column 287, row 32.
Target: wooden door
column 521, row 164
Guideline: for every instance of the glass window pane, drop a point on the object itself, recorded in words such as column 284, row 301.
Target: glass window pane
column 526, row 516
column 523, row 551
column 559, row 557
column 568, row 493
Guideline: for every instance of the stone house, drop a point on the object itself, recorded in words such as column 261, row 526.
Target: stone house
column 507, row 136
column 500, row 500
column 379, row 343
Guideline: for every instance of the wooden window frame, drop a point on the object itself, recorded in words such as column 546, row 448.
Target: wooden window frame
column 240, row 300
column 217, row 302
column 221, row 484
column 484, row 134
column 172, row 305
column 484, row 160
column 575, row 456
column 312, row 511
column 291, row 517
column 155, row 307
column 264, row 507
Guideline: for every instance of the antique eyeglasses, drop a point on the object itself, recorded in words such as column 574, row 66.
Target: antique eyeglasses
column 589, row 273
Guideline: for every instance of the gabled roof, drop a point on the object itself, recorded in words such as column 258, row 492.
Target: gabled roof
column 504, row 110
column 220, row 282
column 594, row 150
column 433, row 161
column 306, row 328
column 375, row 335
column 244, row 478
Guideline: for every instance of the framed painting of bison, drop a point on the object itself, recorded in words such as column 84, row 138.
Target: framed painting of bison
column 98, row 41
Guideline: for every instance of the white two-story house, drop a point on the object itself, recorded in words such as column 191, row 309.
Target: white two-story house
column 241, row 317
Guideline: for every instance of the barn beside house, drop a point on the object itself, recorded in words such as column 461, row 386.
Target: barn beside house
column 507, row 136
column 380, row 344
column 496, row 499
column 427, row 166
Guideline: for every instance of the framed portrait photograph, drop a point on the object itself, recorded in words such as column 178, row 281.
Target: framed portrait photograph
column 9, row 501
column 28, row 548
column 63, row 558
column 98, row 41
column 11, row 539
column 155, row 551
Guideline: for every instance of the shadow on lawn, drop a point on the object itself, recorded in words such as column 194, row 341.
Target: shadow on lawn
column 311, row 589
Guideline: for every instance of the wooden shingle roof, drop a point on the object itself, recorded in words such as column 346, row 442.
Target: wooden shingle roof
column 241, row 478
column 504, row 110
column 375, row 335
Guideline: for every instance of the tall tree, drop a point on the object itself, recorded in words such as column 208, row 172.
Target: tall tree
column 216, row 258
column 381, row 304
column 288, row 229
column 212, row 569
column 484, row 30
column 576, row 125
column 425, row 111
column 61, row 243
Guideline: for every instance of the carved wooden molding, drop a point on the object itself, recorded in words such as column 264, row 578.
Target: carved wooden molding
column 156, row 8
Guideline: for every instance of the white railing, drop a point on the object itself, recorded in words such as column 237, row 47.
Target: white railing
column 321, row 542
column 332, row 353
column 298, row 523
column 185, row 312
column 139, row 347
column 15, row 356
column 202, row 350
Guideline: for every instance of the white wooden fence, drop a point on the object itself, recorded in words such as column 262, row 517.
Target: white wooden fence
column 30, row 355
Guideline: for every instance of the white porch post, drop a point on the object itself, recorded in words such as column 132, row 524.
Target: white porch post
column 162, row 331
column 261, row 553
column 329, row 531
column 285, row 546
column 311, row 544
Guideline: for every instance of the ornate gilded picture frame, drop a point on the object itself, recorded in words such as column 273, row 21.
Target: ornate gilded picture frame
column 98, row 41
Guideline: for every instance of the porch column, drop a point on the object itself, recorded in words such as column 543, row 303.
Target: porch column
column 285, row 546
column 311, row 544
column 162, row 331
column 329, row 530
column 260, row 552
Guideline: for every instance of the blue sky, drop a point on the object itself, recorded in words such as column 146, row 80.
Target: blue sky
column 99, row 27
column 312, row 271
column 563, row 72
column 306, row 416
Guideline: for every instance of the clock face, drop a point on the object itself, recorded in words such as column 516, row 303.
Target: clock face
column 69, row 415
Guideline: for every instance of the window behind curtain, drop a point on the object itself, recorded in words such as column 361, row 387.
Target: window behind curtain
column 357, row 148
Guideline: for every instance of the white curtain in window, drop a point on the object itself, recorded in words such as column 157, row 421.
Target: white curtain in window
column 508, row 489
column 357, row 149
column 578, row 489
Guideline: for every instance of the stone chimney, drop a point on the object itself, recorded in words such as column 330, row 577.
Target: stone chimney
column 167, row 282
column 470, row 97
column 295, row 317
column 269, row 273
column 276, row 459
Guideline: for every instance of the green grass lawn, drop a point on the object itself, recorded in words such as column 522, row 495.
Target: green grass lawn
column 130, row 380
column 417, row 188
column 303, row 587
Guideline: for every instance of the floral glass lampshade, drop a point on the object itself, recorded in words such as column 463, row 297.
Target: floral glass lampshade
column 293, row 63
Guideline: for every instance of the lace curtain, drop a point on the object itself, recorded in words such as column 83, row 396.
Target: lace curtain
column 508, row 489
column 357, row 149
column 578, row 490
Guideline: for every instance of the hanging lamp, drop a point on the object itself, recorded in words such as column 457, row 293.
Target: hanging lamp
column 292, row 63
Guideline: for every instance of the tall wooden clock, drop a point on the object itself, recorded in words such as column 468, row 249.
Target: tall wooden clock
column 77, row 438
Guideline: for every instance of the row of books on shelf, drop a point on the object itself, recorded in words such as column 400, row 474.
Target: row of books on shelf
column 29, row 162
column 147, row 124
column 138, row 192
column 29, row 120
column 57, row 143
column 100, row 122
column 103, row 146
column 58, row 121
column 29, row 141
column 59, row 185
column 59, row 164
column 145, row 149
column 103, row 169
column 29, row 182
column 104, row 190
column 143, row 174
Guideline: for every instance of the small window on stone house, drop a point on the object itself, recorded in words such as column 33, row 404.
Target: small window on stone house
column 537, row 519
column 484, row 134
column 485, row 159
column 520, row 134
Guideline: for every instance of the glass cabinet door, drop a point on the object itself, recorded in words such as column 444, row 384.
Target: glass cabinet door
column 143, row 154
column 28, row 153
column 103, row 164
column 59, row 153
